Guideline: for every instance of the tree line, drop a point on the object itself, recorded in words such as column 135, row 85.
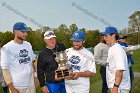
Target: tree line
column 64, row 33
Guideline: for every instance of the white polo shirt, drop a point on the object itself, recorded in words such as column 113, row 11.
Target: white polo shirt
column 18, row 59
column 117, row 60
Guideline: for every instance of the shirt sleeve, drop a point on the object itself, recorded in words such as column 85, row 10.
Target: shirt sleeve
column 121, row 60
column 5, row 58
column 90, row 64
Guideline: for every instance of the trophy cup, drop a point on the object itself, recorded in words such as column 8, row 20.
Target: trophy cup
column 63, row 70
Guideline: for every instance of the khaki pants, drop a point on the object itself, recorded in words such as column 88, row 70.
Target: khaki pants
column 27, row 90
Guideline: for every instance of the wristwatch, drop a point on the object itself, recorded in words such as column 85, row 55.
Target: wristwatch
column 115, row 85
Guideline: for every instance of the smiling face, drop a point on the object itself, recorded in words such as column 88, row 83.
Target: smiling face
column 51, row 43
column 77, row 45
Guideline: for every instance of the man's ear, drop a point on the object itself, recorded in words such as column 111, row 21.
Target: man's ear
column 84, row 41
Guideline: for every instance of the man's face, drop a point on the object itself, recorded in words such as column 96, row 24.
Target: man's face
column 51, row 42
column 102, row 39
column 78, row 44
column 108, row 39
column 21, row 35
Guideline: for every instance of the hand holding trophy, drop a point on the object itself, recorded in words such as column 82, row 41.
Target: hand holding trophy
column 63, row 70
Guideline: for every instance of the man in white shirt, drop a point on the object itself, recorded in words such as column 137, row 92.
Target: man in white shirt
column 82, row 64
column 17, row 61
column 4, row 85
column 117, row 72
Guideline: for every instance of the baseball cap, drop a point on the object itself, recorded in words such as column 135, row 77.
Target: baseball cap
column 21, row 27
column 49, row 34
column 102, row 34
column 110, row 30
column 78, row 36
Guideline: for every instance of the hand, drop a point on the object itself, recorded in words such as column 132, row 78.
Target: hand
column 114, row 90
column 45, row 89
column 76, row 75
column 36, row 82
column 58, row 79
column 14, row 91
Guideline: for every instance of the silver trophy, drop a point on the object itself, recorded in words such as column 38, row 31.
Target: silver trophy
column 63, row 69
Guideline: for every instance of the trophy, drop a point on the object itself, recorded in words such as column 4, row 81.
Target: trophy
column 63, row 70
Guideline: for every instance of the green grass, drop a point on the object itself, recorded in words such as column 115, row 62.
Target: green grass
column 96, row 80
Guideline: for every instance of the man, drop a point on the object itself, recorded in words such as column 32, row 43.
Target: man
column 4, row 85
column 47, row 65
column 122, row 42
column 100, row 54
column 17, row 61
column 117, row 72
column 82, row 64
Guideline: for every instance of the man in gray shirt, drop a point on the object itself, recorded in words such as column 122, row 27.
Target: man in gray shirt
column 100, row 54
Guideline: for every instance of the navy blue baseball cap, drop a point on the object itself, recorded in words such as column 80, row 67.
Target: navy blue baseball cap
column 110, row 30
column 21, row 27
column 78, row 36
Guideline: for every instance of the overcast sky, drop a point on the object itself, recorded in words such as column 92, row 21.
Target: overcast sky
column 88, row 14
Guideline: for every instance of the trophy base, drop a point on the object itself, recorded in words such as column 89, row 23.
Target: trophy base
column 62, row 73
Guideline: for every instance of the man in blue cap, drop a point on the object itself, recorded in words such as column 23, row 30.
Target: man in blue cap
column 82, row 63
column 117, row 72
column 3, row 83
column 16, row 61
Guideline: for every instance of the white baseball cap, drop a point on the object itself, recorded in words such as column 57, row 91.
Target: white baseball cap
column 49, row 34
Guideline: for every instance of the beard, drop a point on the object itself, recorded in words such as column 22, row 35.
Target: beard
column 77, row 47
column 20, row 38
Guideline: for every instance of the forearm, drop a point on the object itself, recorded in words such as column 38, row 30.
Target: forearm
column 7, row 76
column 118, row 77
column 86, row 74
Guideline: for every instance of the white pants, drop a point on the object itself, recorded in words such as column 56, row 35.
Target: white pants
column 27, row 90
column 76, row 88
column 122, row 91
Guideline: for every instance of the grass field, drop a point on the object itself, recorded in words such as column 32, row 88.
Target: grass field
column 96, row 80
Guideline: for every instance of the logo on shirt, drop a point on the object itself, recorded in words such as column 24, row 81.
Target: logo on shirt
column 24, row 58
column 74, row 61
column 23, row 53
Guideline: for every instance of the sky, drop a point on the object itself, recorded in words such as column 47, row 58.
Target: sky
column 88, row 14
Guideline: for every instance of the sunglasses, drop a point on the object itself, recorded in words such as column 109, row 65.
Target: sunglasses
column 49, row 34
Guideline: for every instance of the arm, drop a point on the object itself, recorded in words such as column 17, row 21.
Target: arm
column 118, row 79
column 82, row 74
column 8, row 80
column 35, row 72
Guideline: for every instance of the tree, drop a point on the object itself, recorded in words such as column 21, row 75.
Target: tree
column 73, row 27
column 134, row 23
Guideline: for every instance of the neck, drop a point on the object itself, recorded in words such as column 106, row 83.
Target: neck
column 50, row 47
column 18, row 41
column 113, row 42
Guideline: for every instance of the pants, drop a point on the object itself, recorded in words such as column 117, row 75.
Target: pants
column 131, row 76
column 122, row 91
column 27, row 90
column 103, row 76
column 58, row 87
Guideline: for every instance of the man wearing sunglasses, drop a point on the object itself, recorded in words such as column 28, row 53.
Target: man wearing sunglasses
column 46, row 65
column 82, row 63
